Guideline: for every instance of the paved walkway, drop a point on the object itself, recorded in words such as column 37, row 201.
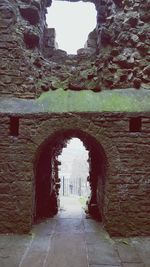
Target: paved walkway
column 71, row 240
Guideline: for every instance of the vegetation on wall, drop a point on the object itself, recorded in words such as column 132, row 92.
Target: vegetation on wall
column 129, row 100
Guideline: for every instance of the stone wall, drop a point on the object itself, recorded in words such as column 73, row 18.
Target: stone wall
column 126, row 198
column 123, row 41
column 121, row 59
column 22, row 25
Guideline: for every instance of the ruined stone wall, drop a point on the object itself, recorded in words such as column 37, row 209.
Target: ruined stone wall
column 127, row 189
column 22, row 25
column 124, row 42
column 121, row 61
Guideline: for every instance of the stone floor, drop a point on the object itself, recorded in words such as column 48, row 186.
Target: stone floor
column 72, row 240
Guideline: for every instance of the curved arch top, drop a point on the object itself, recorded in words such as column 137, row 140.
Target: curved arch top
column 78, row 127
column 104, row 166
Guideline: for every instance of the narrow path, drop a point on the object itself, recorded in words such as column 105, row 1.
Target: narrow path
column 59, row 241
column 71, row 240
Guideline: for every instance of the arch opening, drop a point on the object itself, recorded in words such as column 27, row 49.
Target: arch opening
column 73, row 170
column 70, row 25
column 47, row 175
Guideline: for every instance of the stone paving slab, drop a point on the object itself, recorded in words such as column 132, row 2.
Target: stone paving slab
column 133, row 265
column 69, row 225
column 97, row 237
column 64, row 214
column 103, row 253
column 142, row 245
column 67, row 250
column 105, row 265
column 12, row 247
column 38, row 249
column 128, row 253
column 37, row 252
column 92, row 226
column 72, row 242
column 44, row 228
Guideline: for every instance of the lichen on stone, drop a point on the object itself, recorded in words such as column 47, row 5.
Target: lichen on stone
column 117, row 100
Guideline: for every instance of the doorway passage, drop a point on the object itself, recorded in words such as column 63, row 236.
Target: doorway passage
column 50, row 172
column 74, row 169
column 73, row 173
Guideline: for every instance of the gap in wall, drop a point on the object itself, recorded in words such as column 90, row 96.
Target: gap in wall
column 73, row 21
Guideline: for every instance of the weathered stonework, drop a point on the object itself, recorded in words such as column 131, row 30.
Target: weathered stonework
column 116, row 56
column 120, row 46
column 126, row 206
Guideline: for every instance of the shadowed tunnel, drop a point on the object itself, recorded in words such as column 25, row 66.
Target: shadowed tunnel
column 47, row 182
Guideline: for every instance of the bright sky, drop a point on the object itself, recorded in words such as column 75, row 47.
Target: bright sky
column 73, row 22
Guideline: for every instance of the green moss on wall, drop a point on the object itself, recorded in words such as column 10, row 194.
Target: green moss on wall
column 129, row 100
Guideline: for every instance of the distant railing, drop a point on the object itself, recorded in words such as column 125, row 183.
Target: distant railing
column 77, row 187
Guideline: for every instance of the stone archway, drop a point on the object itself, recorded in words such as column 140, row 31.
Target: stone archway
column 46, row 173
